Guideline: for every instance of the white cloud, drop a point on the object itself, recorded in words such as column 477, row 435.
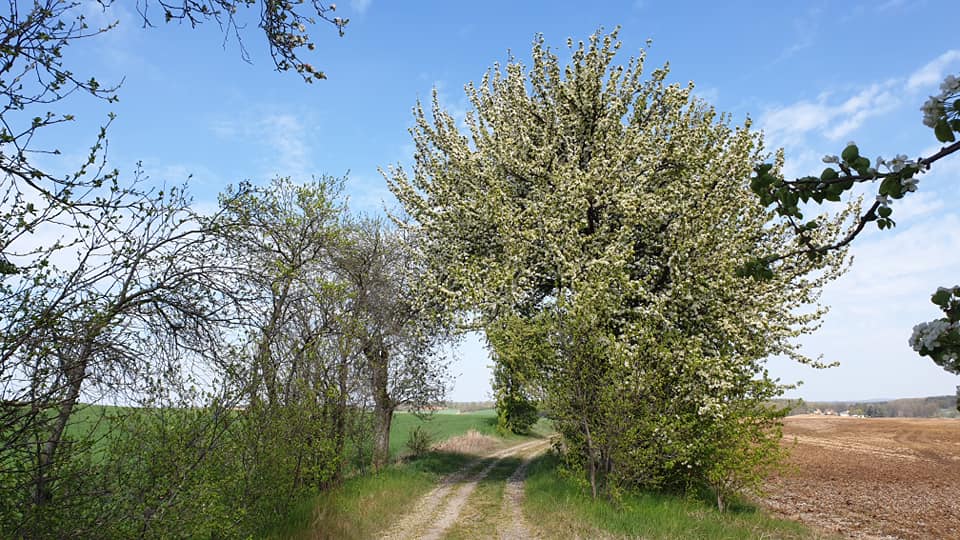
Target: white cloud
column 788, row 124
column 917, row 205
column 933, row 72
column 369, row 195
column 286, row 135
column 282, row 134
column 360, row 6
column 874, row 308
column 832, row 119
column 806, row 29
column 710, row 94
column 101, row 15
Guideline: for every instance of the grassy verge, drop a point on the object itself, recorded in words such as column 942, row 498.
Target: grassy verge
column 365, row 505
column 562, row 509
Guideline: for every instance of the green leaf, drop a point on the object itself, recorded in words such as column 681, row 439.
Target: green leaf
column 890, row 186
column 7, row 268
column 862, row 165
column 850, row 153
column 943, row 132
column 941, row 297
column 829, row 174
column 884, row 211
column 759, row 269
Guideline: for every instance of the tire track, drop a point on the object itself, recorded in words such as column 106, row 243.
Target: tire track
column 511, row 509
column 438, row 510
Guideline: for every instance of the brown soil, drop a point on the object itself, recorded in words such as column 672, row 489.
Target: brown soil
column 871, row 477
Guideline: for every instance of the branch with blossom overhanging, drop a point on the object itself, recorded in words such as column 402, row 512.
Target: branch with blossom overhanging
column 938, row 339
column 901, row 176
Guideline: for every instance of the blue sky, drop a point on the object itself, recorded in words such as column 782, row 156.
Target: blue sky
column 811, row 74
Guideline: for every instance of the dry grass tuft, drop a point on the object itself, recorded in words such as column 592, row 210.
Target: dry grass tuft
column 472, row 442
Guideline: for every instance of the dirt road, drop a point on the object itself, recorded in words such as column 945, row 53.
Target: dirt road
column 872, row 478
column 442, row 509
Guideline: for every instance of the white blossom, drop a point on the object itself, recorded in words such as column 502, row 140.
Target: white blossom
column 949, row 85
column 831, row 159
column 884, row 200
column 909, row 184
column 950, row 363
column 932, row 109
column 899, row 162
column 926, row 334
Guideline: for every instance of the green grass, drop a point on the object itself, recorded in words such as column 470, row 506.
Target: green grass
column 440, row 426
column 365, row 505
column 563, row 509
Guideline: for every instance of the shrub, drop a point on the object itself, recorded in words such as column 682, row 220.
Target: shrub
column 419, row 441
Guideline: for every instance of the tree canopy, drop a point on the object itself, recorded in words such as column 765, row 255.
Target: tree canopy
column 613, row 213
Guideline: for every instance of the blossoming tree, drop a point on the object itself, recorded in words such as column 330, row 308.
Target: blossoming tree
column 593, row 223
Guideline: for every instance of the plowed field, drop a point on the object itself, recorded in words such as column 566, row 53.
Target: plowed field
column 872, row 477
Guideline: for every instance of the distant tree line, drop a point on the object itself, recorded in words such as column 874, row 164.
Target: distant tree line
column 470, row 406
column 927, row 407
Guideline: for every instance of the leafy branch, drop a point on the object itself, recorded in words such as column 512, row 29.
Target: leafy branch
column 901, row 176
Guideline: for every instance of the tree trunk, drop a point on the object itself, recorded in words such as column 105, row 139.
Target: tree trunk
column 381, row 443
column 591, row 459
column 340, row 419
column 76, row 372
column 378, row 359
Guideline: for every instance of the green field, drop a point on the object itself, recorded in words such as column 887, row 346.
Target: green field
column 441, row 426
column 94, row 422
